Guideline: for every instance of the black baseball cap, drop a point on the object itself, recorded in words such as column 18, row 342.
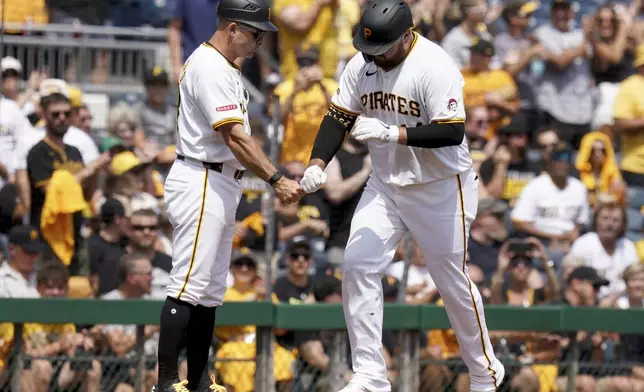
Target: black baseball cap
column 517, row 124
column 588, row 274
column 110, row 209
column 243, row 257
column 254, row 13
column 299, row 242
column 558, row 4
column 26, row 237
column 156, row 76
column 482, row 46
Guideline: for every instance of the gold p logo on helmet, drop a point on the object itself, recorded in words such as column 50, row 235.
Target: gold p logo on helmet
column 367, row 32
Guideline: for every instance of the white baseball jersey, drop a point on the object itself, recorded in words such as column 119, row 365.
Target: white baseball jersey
column 211, row 94
column 426, row 87
column 553, row 210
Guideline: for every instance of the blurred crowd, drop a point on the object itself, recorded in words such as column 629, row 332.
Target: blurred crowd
column 554, row 95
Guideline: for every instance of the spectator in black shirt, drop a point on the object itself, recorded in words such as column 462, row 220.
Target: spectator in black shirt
column 486, row 236
column 347, row 174
column 509, row 170
column 144, row 225
column 295, row 285
column 107, row 246
column 142, row 239
column 51, row 154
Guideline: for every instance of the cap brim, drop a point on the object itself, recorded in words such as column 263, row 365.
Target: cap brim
column 263, row 26
column 33, row 247
column 370, row 48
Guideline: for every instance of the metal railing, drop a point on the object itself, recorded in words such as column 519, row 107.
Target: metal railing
column 99, row 59
column 239, row 361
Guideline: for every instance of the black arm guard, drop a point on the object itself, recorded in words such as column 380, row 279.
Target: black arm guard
column 333, row 130
column 436, row 135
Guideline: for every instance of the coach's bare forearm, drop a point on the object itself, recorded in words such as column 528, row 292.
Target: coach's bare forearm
column 247, row 151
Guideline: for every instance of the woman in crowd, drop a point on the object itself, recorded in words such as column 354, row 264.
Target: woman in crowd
column 598, row 169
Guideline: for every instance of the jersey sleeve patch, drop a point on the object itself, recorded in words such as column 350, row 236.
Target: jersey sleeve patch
column 226, row 108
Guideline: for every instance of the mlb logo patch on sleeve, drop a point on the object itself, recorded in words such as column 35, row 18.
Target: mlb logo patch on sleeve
column 226, row 108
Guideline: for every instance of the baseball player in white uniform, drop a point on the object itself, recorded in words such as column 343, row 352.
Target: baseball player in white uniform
column 202, row 189
column 403, row 95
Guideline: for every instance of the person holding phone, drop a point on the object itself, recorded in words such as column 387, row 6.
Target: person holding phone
column 303, row 103
column 518, row 260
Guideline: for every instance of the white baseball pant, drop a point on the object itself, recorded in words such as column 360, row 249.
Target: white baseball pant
column 201, row 206
column 439, row 215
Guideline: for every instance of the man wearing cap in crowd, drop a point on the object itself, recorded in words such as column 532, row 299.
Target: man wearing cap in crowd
column 487, row 234
column 629, row 126
column 156, row 116
column 40, row 169
column 509, row 169
column 493, row 88
column 131, row 183
column 517, row 53
column 11, row 71
column 17, row 273
column 565, row 91
column 303, row 102
column 554, row 206
column 458, row 40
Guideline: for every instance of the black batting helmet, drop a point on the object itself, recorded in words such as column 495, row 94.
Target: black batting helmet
column 381, row 24
column 254, row 13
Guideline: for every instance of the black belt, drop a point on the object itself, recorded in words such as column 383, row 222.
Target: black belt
column 214, row 166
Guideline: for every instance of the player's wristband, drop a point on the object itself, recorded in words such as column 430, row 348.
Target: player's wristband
column 275, row 177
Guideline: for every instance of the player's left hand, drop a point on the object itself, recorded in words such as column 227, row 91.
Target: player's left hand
column 367, row 128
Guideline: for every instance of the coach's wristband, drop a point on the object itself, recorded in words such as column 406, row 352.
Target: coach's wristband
column 275, row 177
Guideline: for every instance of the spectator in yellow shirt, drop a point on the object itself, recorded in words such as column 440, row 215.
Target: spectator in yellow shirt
column 307, row 22
column 493, row 88
column 629, row 125
column 304, row 100
column 235, row 366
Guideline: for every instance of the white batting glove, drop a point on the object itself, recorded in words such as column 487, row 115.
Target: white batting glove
column 367, row 128
column 314, row 177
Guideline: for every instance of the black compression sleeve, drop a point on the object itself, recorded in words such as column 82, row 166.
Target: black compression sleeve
column 436, row 135
column 333, row 129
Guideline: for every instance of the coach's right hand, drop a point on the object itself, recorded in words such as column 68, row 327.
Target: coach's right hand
column 314, row 177
column 288, row 191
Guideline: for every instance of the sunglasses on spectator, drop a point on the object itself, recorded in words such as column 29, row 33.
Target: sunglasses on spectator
column 257, row 34
column 300, row 255
column 600, row 149
column 58, row 113
column 547, row 145
column 143, row 227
